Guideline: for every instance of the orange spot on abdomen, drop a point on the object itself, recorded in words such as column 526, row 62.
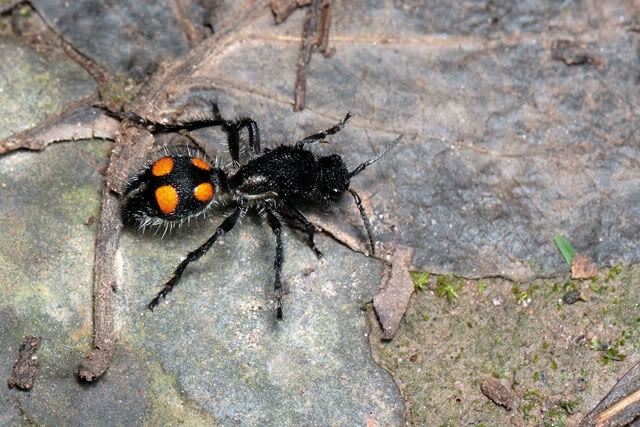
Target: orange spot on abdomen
column 162, row 167
column 203, row 192
column 201, row 164
column 167, row 198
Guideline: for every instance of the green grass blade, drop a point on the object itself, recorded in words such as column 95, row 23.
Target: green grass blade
column 565, row 248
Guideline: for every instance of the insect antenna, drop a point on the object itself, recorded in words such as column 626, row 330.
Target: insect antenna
column 365, row 219
column 363, row 213
column 377, row 157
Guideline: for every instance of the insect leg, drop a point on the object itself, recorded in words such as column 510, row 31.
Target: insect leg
column 309, row 228
column 155, row 127
column 276, row 227
column 229, row 126
column 225, row 227
column 254, row 133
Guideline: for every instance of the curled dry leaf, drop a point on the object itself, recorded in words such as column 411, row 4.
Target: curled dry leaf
column 392, row 298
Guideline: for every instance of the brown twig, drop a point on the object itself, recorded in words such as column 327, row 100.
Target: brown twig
column 95, row 71
column 323, row 30
column 129, row 151
column 104, row 282
column 315, row 36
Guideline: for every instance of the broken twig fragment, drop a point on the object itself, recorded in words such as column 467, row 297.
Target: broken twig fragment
column 24, row 370
column 498, row 393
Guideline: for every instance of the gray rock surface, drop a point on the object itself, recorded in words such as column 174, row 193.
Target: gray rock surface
column 126, row 37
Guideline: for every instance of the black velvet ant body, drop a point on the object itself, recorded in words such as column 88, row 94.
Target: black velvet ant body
column 184, row 183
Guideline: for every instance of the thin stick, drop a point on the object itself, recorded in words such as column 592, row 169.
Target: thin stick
column 104, row 282
column 130, row 148
column 315, row 35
